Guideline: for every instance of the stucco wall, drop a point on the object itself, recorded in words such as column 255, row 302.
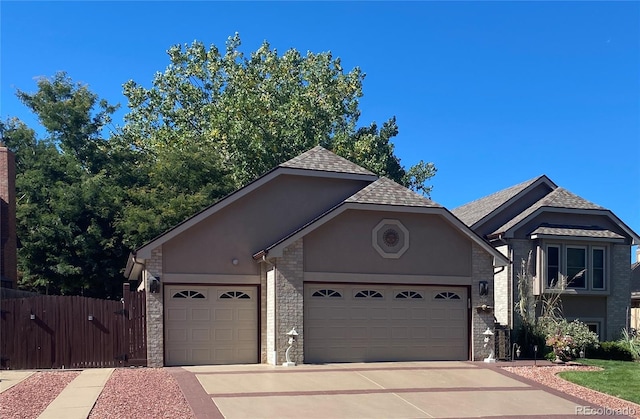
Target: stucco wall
column 252, row 223
column 344, row 244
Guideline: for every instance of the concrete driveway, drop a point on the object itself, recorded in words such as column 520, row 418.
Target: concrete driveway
column 373, row 390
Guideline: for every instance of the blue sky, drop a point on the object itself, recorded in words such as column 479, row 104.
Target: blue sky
column 494, row 93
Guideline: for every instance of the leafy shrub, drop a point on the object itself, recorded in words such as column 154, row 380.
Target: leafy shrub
column 631, row 342
column 566, row 339
column 615, row 351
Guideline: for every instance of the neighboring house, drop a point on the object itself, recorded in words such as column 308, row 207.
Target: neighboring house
column 362, row 268
column 635, row 292
column 573, row 243
column 8, row 242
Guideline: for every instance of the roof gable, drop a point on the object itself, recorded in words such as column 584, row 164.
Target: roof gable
column 480, row 210
column 558, row 198
column 317, row 162
column 321, row 159
column 384, row 191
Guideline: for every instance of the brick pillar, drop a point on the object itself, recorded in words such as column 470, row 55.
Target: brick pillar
column 155, row 309
column 8, row 252
column 619, row 284
column 482, row 270
column 289, row 305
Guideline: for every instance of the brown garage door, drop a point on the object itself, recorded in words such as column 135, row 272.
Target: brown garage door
column 360, row 323
column 210, row 325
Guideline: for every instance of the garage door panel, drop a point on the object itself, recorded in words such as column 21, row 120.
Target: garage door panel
column 178, row 314
column 417, row 323
column 210, row 325
column 223, row 314
column 200, row 335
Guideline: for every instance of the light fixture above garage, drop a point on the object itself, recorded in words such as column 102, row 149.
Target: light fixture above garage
column 235, row 261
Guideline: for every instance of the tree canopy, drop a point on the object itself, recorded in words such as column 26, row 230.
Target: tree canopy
column 210, row 123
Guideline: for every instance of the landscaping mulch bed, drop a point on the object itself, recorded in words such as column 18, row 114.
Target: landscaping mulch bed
column 28, row 399
column 141, row 393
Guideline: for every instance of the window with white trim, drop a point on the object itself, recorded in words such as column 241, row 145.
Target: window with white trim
column 575, row 266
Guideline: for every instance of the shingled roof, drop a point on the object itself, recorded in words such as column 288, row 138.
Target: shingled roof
column 384, row 191
column 476, row 210
column 558, row 198
column 319, row 158
column 576, row 231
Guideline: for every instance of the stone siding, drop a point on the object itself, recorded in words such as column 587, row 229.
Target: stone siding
column 482, row 265
column 272, row 355
column 155, row 309
column 289, row 305
column 619, row 299
column 502, row 284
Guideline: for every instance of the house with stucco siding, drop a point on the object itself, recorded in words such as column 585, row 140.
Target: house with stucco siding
column 360, row 267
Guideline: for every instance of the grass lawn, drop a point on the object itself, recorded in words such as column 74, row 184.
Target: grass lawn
column 619, row 378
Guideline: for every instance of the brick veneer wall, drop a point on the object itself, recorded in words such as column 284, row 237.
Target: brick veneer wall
column 289, row 286
column 482, row 270
column 502, row 291
column 155, row 309
column 619, row 299
column 8, row 248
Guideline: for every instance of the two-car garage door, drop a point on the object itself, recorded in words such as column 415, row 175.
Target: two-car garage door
column 210, row 324
column 360, row 323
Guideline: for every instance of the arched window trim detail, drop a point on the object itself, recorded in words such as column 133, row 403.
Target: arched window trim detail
column 188, row 294
column 409, row 295
column 368, row 294
column 446, row 295
column 327, row 293
column 237, row 295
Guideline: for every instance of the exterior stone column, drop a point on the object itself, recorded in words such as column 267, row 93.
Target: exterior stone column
column 289, row 305
column 619, row 284
column 155, row 309
column 482, row 270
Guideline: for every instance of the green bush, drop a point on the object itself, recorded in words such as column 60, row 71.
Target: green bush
column 615, row 351
column 631, row 342
column 566, row 339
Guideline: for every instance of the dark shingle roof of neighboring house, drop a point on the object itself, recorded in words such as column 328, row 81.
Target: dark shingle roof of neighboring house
column 384, row 191
column 319, row 158
column 558, row 198
column 476, row 210
column 576, row 231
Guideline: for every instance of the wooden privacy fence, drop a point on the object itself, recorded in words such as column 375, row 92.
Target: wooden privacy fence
column 73, row 332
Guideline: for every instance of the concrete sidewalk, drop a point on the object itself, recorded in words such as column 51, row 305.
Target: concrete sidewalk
column 9, row 378
column 78, row 398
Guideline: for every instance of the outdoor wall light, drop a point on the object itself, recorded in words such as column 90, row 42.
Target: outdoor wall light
column 90, row 317
column 32, row 316
column 154, row 285
column 484, row 288
column 235, row 261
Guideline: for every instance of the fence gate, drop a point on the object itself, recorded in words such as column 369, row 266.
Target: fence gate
column 72, row 332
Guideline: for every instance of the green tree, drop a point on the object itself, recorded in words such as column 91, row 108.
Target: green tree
column 67, row 195
column 215, row 120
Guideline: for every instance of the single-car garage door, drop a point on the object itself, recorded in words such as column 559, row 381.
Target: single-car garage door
column 210, row 325
column 360, row 323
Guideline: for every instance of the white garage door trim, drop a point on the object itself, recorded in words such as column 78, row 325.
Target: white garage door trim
column 375, row 322
column 214, row 324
